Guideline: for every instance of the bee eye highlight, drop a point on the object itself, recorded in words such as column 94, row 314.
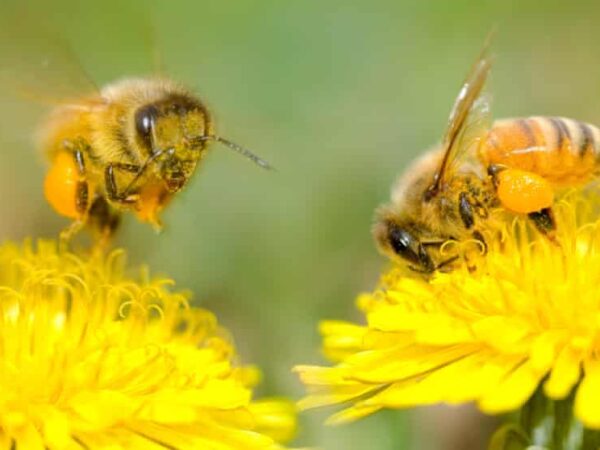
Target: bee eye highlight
column 144, row 121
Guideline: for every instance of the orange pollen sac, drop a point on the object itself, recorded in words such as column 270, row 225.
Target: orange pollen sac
column 153, row 197
column 60, row 186
column 523, row 192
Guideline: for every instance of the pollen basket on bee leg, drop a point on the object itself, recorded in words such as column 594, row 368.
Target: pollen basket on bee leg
column 523, row 192
column 61, row 186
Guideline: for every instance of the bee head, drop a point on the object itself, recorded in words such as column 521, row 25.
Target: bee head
column 410, row 240
column 403, row 242
column 173, row 132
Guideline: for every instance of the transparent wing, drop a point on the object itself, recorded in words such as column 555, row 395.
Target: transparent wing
column 37, row 62
column 474, row 128
column 469, row 118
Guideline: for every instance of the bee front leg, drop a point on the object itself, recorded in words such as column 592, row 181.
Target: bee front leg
column 112, row 190
column 467, row 211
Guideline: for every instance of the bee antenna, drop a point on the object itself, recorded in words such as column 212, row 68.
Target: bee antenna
column 241, row 150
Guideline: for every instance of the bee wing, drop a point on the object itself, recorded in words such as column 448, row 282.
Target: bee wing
column 476, row 124
column 469, row 118
column 37, row 62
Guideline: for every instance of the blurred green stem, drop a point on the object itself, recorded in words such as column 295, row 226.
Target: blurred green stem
column 545, row 424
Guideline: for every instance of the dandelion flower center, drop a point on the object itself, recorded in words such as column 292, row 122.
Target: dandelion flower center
column 529, row 315
column 92, row 358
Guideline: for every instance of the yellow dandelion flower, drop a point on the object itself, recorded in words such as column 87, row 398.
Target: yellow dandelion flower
column 527, row 318
column 91, row 358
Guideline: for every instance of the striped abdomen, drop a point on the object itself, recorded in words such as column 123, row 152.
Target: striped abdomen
column 564, row 151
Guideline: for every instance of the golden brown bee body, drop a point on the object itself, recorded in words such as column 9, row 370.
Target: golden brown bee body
column 131, row 147
column 413, row 229
column 564, row 151
column 514, row 165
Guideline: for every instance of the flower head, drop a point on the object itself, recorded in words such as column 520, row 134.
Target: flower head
column 529, row 315
column 93, row 358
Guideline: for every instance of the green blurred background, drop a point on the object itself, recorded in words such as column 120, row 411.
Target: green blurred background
column 339, row 95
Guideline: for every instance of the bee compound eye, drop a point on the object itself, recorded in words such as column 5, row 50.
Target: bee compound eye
column 403, row 243
column 408, row 247
column 144, row 121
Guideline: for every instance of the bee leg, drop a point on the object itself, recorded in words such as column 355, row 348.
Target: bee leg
column 112, row 189
column 465, row 209
column 544, row 222
column 479, row 237
column 82, row 188
column 420, row 270
column 444, row 264
column 67, row 234
column 104, row 220
column 81, row 193
column 470, row 258
column 493, row 170
column 435, row 243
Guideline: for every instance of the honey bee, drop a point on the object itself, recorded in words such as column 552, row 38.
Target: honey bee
column 513, row 165
column 128, row 147
column 131, row 147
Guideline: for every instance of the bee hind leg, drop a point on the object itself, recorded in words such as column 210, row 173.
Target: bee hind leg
column 68, row 233
column 104, row 221
column 544, row 222
column 81, row 194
